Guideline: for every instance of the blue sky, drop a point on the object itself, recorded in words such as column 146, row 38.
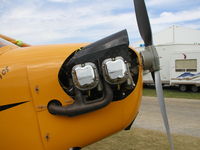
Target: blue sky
column 74, row 21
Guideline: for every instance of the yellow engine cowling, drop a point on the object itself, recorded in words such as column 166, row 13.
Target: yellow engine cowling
column 30, row 82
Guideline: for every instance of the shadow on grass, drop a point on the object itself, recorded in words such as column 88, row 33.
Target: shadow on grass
column 142, row 139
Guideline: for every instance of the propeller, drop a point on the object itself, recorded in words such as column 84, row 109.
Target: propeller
column 151, row 60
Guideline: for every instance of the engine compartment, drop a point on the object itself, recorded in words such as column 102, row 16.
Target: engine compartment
column 110, row 60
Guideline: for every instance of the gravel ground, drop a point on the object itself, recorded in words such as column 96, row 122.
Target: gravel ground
column 183, row 114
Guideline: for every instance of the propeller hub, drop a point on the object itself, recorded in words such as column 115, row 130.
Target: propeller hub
column 150, row 59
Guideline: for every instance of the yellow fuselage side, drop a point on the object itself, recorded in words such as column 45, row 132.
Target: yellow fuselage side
column 30, row 75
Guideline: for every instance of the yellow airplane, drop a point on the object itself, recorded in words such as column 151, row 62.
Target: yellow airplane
column 59, row 97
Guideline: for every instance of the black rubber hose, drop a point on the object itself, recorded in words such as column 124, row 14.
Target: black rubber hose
column 79, row 107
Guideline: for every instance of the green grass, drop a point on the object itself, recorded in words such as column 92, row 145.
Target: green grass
column 172, row 93
column 142, row 139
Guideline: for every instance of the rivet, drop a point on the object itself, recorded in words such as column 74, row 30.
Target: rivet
column 47, row 137
column 37, row 89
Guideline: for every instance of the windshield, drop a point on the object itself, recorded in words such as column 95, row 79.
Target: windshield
column 4, row 43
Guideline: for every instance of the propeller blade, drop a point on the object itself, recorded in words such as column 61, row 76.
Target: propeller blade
column 151, row 59
column 159, row 91
column 143, row 22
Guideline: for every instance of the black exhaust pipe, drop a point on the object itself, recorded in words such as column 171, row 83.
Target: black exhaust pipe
column 79, row 106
